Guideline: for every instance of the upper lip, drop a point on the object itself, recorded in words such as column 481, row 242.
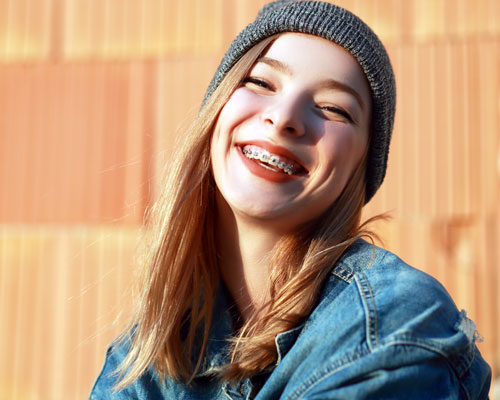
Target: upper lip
column 274, row 149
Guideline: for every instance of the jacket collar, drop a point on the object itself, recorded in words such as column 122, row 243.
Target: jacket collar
column 217, row 353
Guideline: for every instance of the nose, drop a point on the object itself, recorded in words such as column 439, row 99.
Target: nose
column 285, row 115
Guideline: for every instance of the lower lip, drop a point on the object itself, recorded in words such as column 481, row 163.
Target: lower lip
column 265, row 173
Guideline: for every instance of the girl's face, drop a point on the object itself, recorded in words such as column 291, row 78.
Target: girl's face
column 290, row 136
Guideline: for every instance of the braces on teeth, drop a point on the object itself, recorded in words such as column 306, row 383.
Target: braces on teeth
column 273, row 160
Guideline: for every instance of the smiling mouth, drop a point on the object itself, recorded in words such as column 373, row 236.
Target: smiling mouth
column 272, row 162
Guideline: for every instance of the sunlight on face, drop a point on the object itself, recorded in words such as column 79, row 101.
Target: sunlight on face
column 290, row 136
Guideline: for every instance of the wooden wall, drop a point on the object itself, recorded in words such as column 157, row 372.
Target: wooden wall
column 94, row 93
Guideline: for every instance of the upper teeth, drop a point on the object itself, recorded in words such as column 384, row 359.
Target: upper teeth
column 264, row 156
column 269, row 158
column 274, row 160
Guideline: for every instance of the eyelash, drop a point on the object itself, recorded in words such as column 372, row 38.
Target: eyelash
column 262, row 83
column 338, row 111
column 257, row 81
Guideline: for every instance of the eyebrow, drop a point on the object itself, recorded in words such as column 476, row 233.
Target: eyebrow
column 327, row 84
column 276, row 64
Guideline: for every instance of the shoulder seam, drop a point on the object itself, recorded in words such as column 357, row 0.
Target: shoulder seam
column 345, row 272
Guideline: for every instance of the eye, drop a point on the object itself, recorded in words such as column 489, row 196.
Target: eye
column 336, row 111
column 261, row 83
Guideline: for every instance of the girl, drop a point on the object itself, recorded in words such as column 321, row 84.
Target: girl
column 257, row 283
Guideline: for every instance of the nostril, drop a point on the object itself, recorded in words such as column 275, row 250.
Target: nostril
column 296, row 129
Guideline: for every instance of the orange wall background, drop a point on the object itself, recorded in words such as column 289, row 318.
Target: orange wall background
column 94, row 93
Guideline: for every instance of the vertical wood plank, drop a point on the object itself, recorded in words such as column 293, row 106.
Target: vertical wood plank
column 90, row 90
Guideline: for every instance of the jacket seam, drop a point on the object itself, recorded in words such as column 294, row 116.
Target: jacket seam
column 368, row 301
column 334, row 367
column 351, row 358
column 343, row 273
column 347, row 273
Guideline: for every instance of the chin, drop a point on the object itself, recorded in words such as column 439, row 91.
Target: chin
column 261, row 211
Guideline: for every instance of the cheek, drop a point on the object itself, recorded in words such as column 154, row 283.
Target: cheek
column 240, row 109
column 344, row 148
column 241, row 105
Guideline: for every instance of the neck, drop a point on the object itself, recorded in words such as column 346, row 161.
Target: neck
column 244, row 252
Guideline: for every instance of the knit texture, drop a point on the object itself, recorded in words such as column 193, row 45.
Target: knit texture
column 346, row 30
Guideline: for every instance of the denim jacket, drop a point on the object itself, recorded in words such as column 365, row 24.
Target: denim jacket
column 381, row 330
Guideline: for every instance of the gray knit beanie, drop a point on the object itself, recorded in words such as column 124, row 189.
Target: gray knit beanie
column 346, row 30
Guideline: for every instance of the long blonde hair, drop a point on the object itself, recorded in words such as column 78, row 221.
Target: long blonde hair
column 180, row 272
